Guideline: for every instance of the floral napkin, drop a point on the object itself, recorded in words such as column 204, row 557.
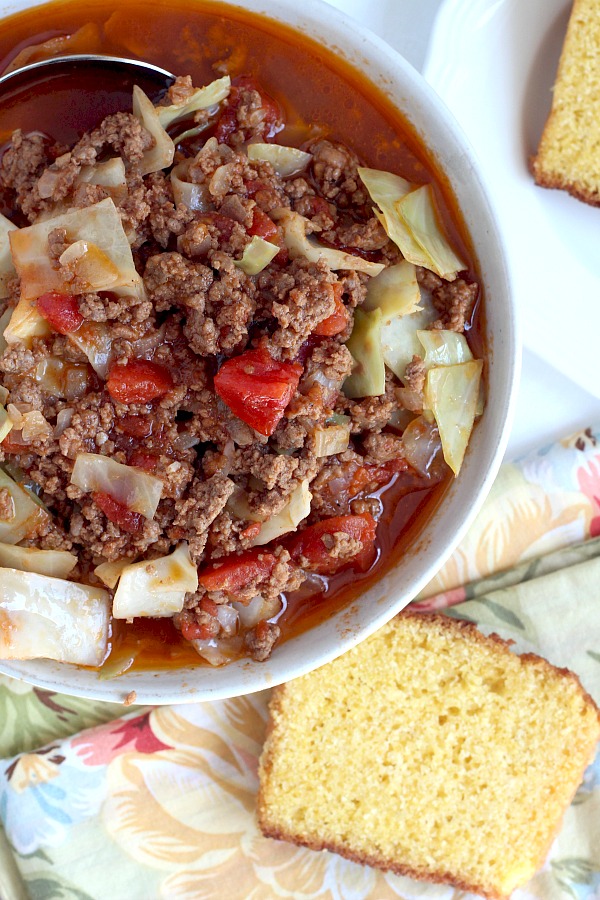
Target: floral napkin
column 159, row 803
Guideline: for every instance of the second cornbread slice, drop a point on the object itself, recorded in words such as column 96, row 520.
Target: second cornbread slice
column 429, row 750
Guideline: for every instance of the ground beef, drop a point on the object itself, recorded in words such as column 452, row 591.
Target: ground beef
column 221, row 478
column 200, row 506
column 454, row 300
column 334, row 169
column 261, row 639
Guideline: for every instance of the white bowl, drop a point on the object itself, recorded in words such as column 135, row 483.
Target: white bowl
column 441, row 134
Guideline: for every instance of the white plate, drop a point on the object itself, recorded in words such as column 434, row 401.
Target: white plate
column 494, row 62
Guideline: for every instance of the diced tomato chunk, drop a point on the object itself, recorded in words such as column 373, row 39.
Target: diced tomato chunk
column 373, row 477
column 312, row 545
column 233, row 572
column 136, row 426
column 228, row 121
column 262, row 226
column 338, row 320
column 61, row 311
column 118, row 513
column 138, row 381
column 141, row 459
column 224, row 224
column 257, row 388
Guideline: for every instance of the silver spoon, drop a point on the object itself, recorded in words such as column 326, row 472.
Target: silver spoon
column 68, row 95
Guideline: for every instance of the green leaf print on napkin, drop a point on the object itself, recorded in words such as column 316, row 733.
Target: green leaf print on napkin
column 51, row 886
column 32, row 717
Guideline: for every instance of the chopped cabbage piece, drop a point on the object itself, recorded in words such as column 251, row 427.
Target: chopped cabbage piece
column 285, row 160
column 287, row 519
column 257, row 255
column 28, row 515
column 100, row 225
column 6, row 424
column 399, row 336
column 367, row 378
column 25, row 324
column 452, row 395
column 134, row 488
column 444, row 348
column 110, row 572
column 7, row 268
column 417, row 210
column 331, row 440
column 194, row 196
column 160, row 156
column 57, row 563
column 155, row 587
column 299, row 244
column 202, row 98
column 61, row 378
column 394, row 291
column 386, row 189
column 49, row 617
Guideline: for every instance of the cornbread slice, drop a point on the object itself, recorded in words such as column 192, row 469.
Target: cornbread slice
column 568, row 156
column 429, row 750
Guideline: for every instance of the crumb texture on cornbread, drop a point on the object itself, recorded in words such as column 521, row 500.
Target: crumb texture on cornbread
column 429, row 750
column 568, row 156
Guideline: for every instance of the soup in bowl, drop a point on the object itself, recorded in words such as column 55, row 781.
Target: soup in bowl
column 258, row 349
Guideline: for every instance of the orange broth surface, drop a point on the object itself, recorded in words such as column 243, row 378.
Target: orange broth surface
column 321, row 95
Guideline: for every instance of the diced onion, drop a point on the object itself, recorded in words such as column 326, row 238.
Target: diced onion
column 25, row 324
column 367, row 378
column 156, row 587
column 57, row 563
column 28, row 515
column 95, row 341
column 202, row 98
column 257, row 610
column 299, row 244
column 91, row 265
column 257, row 255
column 422, row 445
column 285, row 160
column 452, row 395
column 63, row 420
column 218, row 651
column 237, row 503
column 110, row 175
column 194, row 196
column 160, row 156
column 137, row 490
column 49, row 617
column 228, row 618
column 287, row 519
column 331, row 440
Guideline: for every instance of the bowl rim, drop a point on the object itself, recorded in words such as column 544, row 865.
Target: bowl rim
column 395, row 77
